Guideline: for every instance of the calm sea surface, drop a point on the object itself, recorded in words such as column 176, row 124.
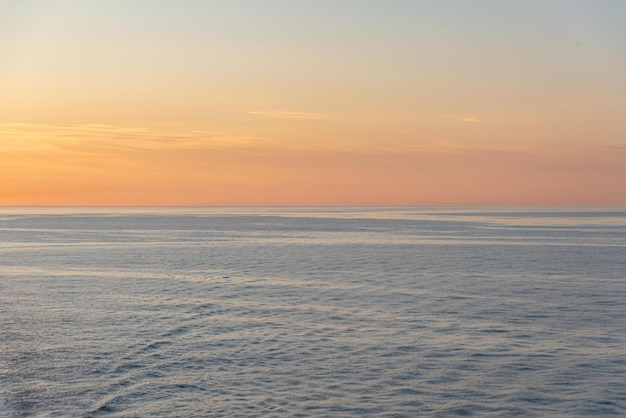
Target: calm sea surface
column 203, row 312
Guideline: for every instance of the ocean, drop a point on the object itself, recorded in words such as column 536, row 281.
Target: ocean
column 298, row 312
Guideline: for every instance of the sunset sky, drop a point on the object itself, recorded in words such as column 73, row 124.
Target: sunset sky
column 324, row 102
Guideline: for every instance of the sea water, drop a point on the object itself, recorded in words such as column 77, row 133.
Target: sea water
column 390, row 312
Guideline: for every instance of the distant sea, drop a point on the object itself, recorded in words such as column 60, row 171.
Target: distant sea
column 298, row 312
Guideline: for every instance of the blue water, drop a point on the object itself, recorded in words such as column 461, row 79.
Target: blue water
column 201, row 312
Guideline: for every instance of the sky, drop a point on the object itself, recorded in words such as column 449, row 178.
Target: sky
column 326, row 102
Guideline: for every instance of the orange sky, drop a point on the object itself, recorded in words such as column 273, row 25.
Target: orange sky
column 390, row 103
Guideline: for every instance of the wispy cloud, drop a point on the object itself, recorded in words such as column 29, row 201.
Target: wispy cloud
column 93, row 138
column 452, row 117
column 290, row 114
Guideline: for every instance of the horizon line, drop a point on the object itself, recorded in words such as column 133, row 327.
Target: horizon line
column 557, row 205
